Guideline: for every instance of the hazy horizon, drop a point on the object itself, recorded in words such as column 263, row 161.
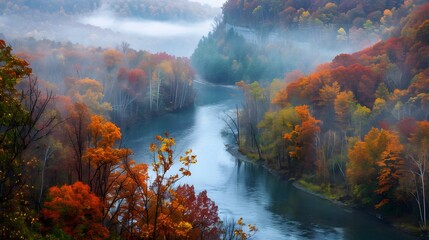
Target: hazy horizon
column 212, row 3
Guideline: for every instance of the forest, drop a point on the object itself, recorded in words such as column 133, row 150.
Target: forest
column 124, row 83
column 355, row 129
column 263, row 40
column 335, row 100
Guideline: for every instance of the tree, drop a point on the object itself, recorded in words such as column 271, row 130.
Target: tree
column 275, row 125
column 375, row 168
column 391, row 168
column 24, row 120
column 158, row 223
column 90, row 92
column 418, row 155
column 234, row 125
column 344, row 106
column 77, row 134
column 151, row 207
column 75, row 210
column 302, row 140
column 103, row 156
column 241, row 233
column 200, row 211
column 112, row 58
column 12, row 116
column 328, row 94
column 360, row 119
column 255, row 105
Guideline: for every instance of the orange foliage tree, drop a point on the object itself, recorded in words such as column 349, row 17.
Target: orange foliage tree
column 303, row 142
column 149, row 205
column 90, row 92
column 375, row 167
column 103, row 155
column 76, row 211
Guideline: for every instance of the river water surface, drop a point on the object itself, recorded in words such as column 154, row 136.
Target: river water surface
column 279, row 210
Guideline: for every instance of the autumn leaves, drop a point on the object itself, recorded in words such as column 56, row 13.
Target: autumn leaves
column 119, row 197
column 106, row 192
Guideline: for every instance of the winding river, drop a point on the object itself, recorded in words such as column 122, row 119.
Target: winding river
column 240, row 189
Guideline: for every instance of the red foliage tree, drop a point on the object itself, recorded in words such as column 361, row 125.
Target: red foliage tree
column 200, row 211
column 136, row 76
column 75, row 210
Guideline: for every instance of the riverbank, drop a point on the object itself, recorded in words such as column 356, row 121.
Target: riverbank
column 234, row 151
column 396, row 223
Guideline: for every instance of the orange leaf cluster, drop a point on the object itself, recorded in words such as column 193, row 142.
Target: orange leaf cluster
column 75, row 210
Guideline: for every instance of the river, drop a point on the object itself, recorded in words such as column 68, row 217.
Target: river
column 241, row 189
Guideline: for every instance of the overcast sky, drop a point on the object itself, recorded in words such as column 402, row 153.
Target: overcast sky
column 213, row 3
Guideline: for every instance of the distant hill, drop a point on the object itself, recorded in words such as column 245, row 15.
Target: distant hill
column 261, row 40
column 293, row 14
column 149, row 9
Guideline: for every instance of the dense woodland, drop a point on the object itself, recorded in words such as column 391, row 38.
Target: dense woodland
column 356, row 129
column 122, row 83
column 262, row 40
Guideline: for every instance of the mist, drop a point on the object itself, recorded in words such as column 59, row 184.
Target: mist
column 212, row 3
column 147, row 28
column 103, row 28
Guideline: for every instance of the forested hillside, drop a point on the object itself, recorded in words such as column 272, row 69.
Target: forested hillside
column 123, row 83
column 262, row 40
column 356, row 128
column 307, row 13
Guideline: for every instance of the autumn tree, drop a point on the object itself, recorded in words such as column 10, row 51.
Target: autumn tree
column 77, row 135
column 127, row 200
column 151, row 207
column 255, row 106
column 274, row 126
column 328, row 95
column 76, row 211
column 360, row 119
column 103, row 155
column 375, row 168
column 90, row 92
column 303, row 141
column 418, row 156
column 344, row 104
column 23, row 122
column 242, row 233
column 158, row 223
column 199, row 210
column 112, row 58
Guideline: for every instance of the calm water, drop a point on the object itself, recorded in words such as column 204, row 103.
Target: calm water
column 279, row 210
